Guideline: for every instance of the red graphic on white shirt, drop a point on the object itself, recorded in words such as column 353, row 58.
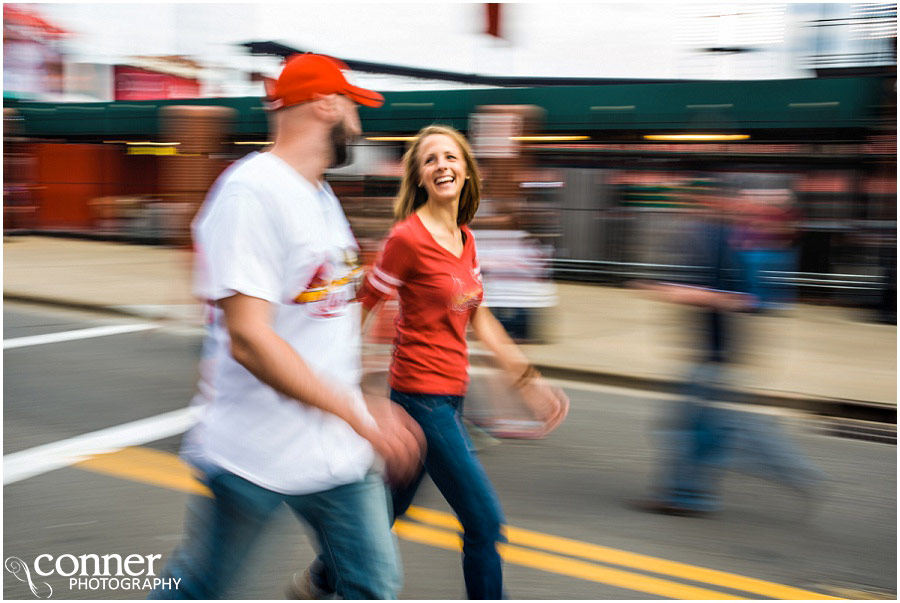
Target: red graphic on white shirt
column 326, row 296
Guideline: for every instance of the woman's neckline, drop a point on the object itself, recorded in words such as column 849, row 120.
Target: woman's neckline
column 465, row 239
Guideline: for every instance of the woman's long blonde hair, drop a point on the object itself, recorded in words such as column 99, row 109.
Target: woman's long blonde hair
column 412, row 196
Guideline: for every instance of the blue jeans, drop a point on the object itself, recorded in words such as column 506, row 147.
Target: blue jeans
column 351, row 523
column 456, row 471
column 696, row 439
column 702, row 440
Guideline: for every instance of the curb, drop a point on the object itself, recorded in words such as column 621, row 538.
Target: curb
column 72, row 305
column 860, row 410
column 123, row 311
column 828, row 407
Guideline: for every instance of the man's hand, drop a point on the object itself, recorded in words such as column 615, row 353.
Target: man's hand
column 397, row 439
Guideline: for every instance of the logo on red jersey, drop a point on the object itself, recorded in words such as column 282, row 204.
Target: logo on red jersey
column 465, row 298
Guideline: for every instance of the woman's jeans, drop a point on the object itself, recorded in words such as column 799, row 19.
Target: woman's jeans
column 351, row 523
column 456, row 471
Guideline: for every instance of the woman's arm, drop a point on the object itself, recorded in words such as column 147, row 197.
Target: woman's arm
column 364, row 316
column 491, row 333
column 550, row 405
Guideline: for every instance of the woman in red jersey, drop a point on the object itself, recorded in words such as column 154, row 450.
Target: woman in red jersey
column 429, row 261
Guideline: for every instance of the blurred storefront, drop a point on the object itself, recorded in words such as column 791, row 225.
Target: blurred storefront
column 594, row 179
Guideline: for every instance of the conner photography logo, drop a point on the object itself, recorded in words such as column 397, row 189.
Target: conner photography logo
column 90, row 572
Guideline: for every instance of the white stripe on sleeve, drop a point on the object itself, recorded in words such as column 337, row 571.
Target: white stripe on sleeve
column 373, row 280
column 387, row 278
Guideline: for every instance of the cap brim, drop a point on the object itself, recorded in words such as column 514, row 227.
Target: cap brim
column 369, row 98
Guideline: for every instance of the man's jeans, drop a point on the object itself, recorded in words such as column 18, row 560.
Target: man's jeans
column 351, row 523
column 456, row 471
column 697, row 440
column 703, row 439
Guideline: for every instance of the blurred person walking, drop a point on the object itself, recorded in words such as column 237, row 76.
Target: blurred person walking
column 429, row 261
column 701, row 436
column 287, row 422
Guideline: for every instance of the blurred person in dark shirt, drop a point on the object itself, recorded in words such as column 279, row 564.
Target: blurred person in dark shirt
column 702, row 436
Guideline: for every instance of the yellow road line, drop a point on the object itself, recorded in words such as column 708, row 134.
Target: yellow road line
column 167, row 470
column 148, row 466
column 562, row 565
column 595, row 552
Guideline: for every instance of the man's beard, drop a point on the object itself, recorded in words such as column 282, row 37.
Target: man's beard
column 340, row 146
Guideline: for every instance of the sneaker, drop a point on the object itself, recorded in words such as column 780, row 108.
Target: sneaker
column 302, row 586
column 657, row 506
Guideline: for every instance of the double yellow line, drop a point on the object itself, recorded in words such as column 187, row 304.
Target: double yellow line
column 570, row 565
column 536, row 550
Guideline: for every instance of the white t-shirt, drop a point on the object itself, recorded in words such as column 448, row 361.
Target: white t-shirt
column 267, row 232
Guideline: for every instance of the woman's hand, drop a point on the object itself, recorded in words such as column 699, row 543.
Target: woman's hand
column 548, row 404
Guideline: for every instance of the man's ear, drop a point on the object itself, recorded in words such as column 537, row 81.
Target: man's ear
column 269, row 84
column 326, row 106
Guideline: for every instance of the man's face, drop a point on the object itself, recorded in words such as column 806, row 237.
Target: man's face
column 344, row 132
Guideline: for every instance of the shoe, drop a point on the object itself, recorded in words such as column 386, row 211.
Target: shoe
column 657, row 506
column 302, row 586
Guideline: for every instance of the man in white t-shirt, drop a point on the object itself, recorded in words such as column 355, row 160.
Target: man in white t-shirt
column 286, row 420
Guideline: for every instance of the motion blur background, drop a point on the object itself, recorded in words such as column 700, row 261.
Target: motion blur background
column 605, row 132
column 590, row 122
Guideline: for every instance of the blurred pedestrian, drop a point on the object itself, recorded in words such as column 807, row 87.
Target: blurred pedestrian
column 429, row 260
column 287, row 422
column 702, row 436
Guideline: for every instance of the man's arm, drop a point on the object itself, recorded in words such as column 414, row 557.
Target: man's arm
column 256, row 346
column 691, row 295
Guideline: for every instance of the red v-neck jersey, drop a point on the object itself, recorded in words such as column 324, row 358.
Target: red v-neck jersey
column 438, row 294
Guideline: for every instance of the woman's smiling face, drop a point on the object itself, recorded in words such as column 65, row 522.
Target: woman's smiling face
column 442, row 169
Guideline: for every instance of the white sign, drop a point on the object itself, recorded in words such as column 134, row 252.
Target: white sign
column 493, row 134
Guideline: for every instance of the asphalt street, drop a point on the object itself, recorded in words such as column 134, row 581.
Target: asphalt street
column 571, row 534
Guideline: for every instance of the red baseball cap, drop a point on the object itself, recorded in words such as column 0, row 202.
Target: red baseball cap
column 306, row 75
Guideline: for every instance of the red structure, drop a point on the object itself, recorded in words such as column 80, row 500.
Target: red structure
column 493, row 19
column 134, row 83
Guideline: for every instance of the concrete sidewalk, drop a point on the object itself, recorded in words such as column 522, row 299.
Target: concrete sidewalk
column 813, row 357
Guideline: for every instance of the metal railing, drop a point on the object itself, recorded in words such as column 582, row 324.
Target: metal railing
column 610, row 271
